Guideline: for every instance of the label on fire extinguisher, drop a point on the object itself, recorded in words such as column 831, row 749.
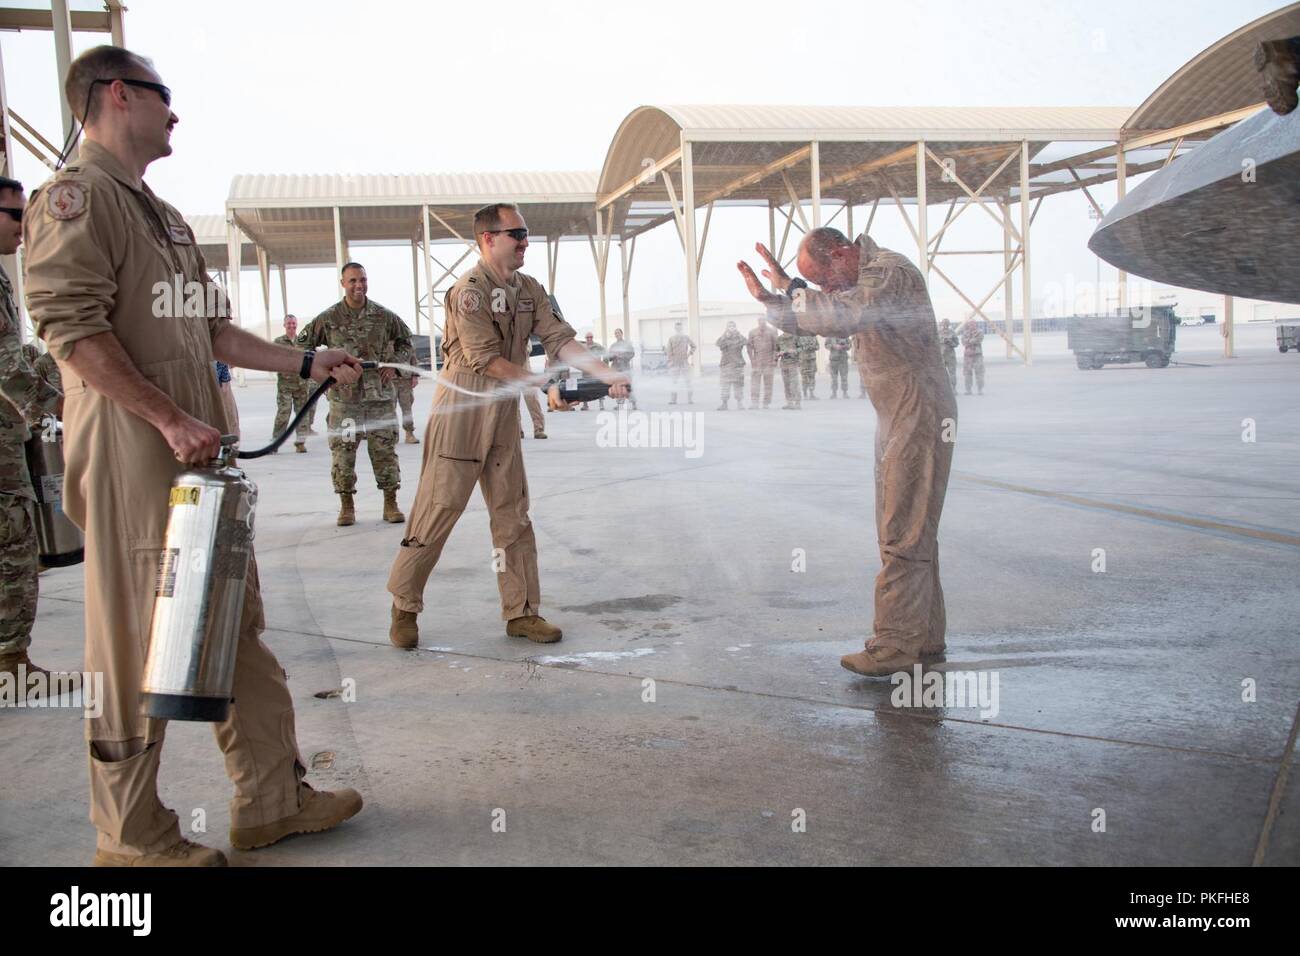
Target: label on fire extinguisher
column 165, row 585
column 185, row 495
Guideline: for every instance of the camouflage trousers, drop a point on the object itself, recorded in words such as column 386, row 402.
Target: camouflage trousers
column 840, row 376
column 973, row 365
column 790, row 382
column 373, row 423
column 289, row 400
column 808, row 374
column 18, row 581
column 758, row 375
column 405, row 399
column 950, row 363
column 733, row 381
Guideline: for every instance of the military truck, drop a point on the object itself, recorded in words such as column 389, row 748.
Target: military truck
column 1140, row 334
column 1288, row 336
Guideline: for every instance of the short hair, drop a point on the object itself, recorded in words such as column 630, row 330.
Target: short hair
column 351, row 265
column 489, row 217
column 98, row 63
column 13, row 184
column 822, row 241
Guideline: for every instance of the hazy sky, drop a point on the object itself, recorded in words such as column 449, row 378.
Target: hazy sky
column 391, row 87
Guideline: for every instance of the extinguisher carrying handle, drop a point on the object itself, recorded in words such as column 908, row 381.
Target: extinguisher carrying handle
column 279, row 439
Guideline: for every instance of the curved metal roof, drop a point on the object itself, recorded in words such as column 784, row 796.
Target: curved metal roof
column 650, row 133
column 1219, row 79
column 407, row 189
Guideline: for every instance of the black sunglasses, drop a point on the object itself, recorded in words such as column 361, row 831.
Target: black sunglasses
column 518, row 235
column 15, row 214
column 158, row 88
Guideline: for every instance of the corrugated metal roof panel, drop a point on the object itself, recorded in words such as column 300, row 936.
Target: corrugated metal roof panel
column 415, row 188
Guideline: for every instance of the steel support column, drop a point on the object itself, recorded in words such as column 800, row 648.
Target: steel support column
column 1026, row 301
column 815, row 164
column 692, row 254
column 1121, row 189
column 922, row 215
column 62, row 25
column 1229, row 329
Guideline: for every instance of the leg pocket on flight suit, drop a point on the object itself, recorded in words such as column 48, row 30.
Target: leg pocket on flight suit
column 454, row 479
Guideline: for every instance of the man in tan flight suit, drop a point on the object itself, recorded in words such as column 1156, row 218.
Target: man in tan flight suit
column 761, row 347
column 880, row 295
column 141, row 405
column 474, row 438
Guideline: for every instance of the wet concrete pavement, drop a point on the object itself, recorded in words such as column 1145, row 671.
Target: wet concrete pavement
column 1119, row 691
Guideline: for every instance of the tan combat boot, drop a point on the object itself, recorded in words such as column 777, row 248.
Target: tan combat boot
column 534, row 628
column 404, row 632
column 347, row 513
column 321, row 810
column 392, row 514
column 184, row 853
column 538, row 433
column 878, row 661
column 300, row 447
column 410, row 438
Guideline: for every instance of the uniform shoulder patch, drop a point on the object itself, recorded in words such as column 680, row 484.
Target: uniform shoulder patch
column 67, row 199
column 470, row 300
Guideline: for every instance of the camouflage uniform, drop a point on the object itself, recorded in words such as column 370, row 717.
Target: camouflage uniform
column 621, row 354
column 405, row 402
column 839, row 348
column 972, row 347
column 860, row 360
column 787, row 357
column 808, row 346
column 291, row 393
column 731, row 369
column 678, row 353
column 597, row 350
column 24, row 397
column 949, row 341
column 762, row 359
column 364, row 411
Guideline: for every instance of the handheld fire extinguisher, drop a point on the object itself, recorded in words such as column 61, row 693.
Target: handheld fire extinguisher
column 199, row 592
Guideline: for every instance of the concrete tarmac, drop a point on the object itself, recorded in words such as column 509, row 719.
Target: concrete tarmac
column 696, row 712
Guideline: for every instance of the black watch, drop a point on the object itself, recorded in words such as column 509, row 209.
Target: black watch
column 795, row 283
column 307, row 358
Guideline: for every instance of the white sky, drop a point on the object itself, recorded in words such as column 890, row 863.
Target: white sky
column 393, row 87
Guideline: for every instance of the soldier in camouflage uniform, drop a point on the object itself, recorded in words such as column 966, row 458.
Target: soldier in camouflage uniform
column 731, row 369
column 948, row 341
column 598, row 350
column 808, row 347
column 24, row 398
column 787, row 359
column 972, row 347
column 364, row 411
column 839, row 347
column 291, row 392
column 860, row 360
column 679, row 350
column 621, row 354
column 405, row 384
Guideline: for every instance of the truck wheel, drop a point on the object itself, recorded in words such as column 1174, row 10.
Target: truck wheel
column 1282, row 349
column 1086, row 362
column 1153, row 360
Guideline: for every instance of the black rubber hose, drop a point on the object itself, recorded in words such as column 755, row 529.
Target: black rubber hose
column 279, row 439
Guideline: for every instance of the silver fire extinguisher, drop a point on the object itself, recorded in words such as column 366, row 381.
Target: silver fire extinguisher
column 58, row 540
column 199, row 592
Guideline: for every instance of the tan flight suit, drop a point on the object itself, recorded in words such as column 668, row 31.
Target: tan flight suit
column 471, row 439
column 904, row 374
column 97, row 241
column 534, row 406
